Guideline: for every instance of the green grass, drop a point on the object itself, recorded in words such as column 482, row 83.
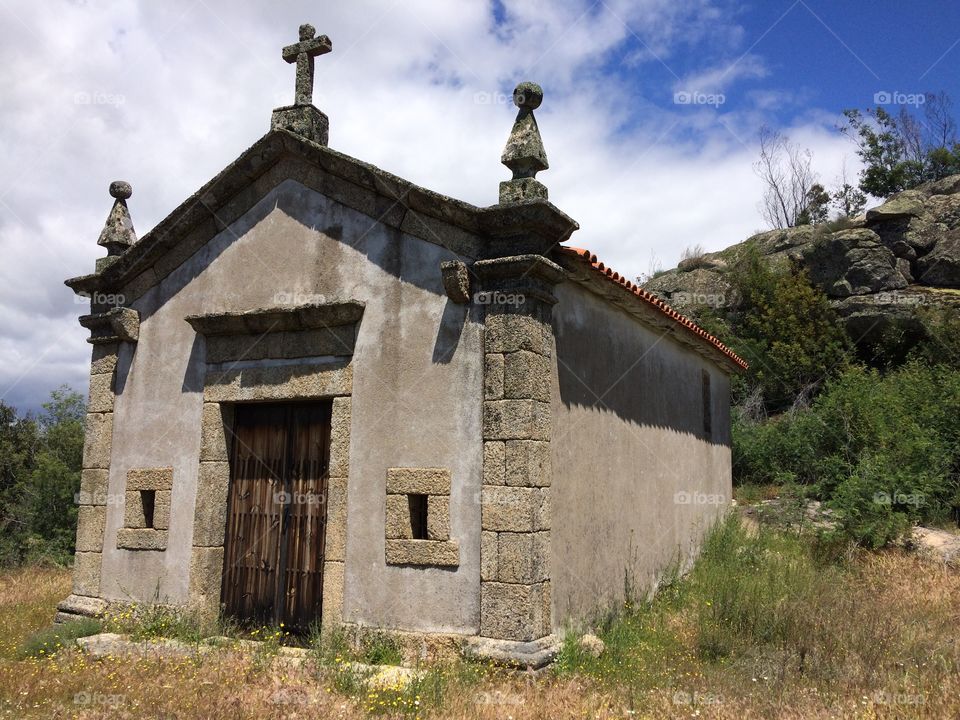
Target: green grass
column 773, row 606
column 48, row 641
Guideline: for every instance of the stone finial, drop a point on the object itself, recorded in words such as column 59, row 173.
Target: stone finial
column 524, row 153
column 303, row 53
column 118, row 233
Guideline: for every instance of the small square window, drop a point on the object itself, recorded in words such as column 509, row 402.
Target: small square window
column 418, row 516
column 148, row 499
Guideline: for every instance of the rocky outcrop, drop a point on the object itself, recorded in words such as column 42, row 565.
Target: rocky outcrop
column 877, row 270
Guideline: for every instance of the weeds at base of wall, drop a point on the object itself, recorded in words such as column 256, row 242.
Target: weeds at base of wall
column 51, row 640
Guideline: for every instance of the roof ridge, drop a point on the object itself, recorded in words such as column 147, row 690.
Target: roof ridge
column 590, row 258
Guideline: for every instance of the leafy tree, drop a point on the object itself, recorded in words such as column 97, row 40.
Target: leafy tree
column 41, row 477
column 900, row 152
column 817, row 209
column 849, row 200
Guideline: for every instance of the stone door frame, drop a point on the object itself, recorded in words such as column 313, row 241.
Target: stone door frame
column 275, row 383
column 277, row 355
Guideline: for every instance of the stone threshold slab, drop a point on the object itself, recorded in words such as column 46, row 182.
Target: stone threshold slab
column 114, row 645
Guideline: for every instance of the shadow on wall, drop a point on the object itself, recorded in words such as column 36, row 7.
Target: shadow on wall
column 385, row 249
column 638, row 377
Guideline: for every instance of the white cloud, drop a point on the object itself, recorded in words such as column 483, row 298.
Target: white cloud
column 166, row 94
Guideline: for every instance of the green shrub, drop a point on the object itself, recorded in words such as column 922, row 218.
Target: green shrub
column 882, row 449
column 784, row 327
column 48, row 641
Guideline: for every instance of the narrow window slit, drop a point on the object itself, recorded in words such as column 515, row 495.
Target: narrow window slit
column 148, row 499
column 707, row 404
column 418, row 516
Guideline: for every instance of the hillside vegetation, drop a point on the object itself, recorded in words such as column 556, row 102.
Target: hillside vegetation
column 852, row 332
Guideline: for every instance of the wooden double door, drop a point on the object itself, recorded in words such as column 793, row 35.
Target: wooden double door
column 276, row 513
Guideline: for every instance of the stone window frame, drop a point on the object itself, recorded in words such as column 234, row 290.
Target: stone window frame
column 135, row 533
column 328, row 376
column 401, row 548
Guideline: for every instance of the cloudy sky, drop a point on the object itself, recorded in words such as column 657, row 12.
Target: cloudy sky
column 650, row 116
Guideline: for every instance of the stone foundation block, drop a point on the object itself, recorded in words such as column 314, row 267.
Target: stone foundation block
column 527, row 375
column 161, row 509
column 213, row 433
column 423, row 552
column 141, row 539
column 101, row 393
column 91, row 520
column 516, row 420
column 210, row 510
column 74, row 607
column 494, row 468
column 488, row 555
column 528, row 463
column 340, row 437
column 398, row 518
column 438, row 517
column 512, row 612
column 511, row 509
column 335, row 544
column 104, row 360
column 97, row 440
column 493, row 365
column 86, row 573
column 505, row 333
column 523, row 557
column 150, row 479
column 332, row 607
column 93, row 487
column 420, row 481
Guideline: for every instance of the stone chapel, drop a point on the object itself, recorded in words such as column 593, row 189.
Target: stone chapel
column 322, row 394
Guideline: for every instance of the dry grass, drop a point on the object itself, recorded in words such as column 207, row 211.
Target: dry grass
column 28, row 601
column 878, row 630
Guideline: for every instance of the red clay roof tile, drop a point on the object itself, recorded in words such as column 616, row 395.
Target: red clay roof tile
column 588, row 257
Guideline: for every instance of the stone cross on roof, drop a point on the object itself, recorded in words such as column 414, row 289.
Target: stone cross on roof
column 303, row 53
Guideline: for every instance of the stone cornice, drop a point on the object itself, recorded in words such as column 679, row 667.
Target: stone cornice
column 278, row 319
